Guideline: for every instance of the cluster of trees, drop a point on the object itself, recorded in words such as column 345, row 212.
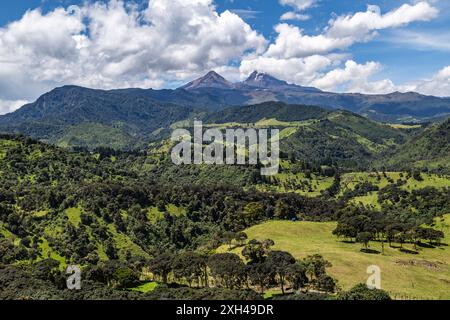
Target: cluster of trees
column 20, row 283
column 265, row 268
column 362, row 225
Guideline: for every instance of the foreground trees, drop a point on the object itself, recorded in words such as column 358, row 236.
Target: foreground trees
column 365, row 225
column 264, row 269
column 228, row 270
column 362, row 292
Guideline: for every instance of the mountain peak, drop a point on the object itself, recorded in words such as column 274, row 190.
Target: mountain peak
column 260, row 79
column 211, row 80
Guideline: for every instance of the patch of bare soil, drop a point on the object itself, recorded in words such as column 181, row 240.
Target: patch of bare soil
column 435, row 266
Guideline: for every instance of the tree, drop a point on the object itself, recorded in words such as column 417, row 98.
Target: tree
column 190, row 266
column 296, row 275
column 362, row 292
column 282, row 209
column 268, row 243
column 261, row 274
column 316, row 267
column 241, row 238
column 345, row 230
column 229, row 236
column 161, row 265
column 326, row 283
column 417, row 176
column 364, row 238
column 124, row 277
column 280, row 261
column 228, row 270
column 47, row 269
column 254, row 252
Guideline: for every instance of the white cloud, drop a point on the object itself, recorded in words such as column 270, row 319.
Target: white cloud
column 361, row 25
column 292, row 43
column 7, row 106
column 299, row 5
column 291, row 15
column 344, row 31
column 116, row 44
column 429, row 41
column 355, row 78
column 293, row 49
column 110, row 45
column 437, row 85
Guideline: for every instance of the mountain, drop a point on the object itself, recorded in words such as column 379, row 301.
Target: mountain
column 262, row 80
column 266, row 81
column 216, row 92
column 78, row 116
column 210, row 80
column 430, row 149
column 128, row 118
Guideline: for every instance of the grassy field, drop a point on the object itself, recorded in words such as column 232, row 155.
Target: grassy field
column 405, row 276
column 74, row 216
column 154, row 214
column 349, row 180
column 146, row 287
column 289, row 182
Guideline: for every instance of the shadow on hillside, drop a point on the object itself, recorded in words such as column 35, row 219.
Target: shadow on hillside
column 408, row 251
column 426, row 245
column 370, row 251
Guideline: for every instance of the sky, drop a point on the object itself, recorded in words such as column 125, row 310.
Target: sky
column 370, row 46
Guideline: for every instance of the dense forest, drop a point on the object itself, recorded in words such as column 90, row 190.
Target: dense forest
column 128, row 218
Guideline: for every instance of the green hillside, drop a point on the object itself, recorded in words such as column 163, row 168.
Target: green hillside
column 430, row 149
column 119, row 214
column 316, row 135
column 405, row 276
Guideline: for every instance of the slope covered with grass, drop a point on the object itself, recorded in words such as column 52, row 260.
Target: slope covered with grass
column 405, row 276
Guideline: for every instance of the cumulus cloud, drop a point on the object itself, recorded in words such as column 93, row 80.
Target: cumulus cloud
column 362, row 24
column 292, row 43
column 437, row 85
column 114, row 44
column 344, row 31
column 298, row 51
column 355, row 77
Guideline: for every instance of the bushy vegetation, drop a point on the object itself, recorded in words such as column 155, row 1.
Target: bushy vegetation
column 132, row 217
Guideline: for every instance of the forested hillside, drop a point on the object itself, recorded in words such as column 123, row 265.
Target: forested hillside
column 125, row 217
column 429, row 150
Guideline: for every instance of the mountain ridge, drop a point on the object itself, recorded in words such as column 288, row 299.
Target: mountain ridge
column 213, row 92
column 60, row 115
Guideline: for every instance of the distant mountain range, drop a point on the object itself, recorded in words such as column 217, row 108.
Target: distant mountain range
column 72, row 116
column 259, row 87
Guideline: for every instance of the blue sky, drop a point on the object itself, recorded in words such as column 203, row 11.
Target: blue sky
column 401, row 62
column 324, row 48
